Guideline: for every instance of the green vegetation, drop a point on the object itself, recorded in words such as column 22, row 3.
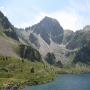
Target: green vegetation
column 50, row 58
column 15, row 72
column 73, row 70
column 19, row 72
column 83, row 55
column 8, row 28
column 1, row 31
column 29, row 53
column 79, row 37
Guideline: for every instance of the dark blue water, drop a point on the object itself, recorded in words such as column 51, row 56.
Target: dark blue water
column 65, row 82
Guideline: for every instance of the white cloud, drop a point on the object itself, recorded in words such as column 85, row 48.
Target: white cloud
column 3, row 10
column 70, row 17
column 39, row 17
column 68, row 20
column 80, row 5
column 23, row 24
column 36, row 19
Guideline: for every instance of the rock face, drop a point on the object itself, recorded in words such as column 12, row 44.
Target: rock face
column 9, row 29
column 68, row 35
column 48, row 36
column 10, row 43
column 49, row 29
column 34, row 40
column 83, row 55
column 4, row 21
column 50, row 58
column 86, row 28
column 29, row 53
column 79, row 38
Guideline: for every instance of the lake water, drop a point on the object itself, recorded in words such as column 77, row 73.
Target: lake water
column 65, row 82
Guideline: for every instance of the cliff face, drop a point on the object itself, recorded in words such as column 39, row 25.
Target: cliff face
column 8, row 28
column 79, row 38
column 49, row 29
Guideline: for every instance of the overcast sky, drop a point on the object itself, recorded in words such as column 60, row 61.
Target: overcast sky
column 71, row 14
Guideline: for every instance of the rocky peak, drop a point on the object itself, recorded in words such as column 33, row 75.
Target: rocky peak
column 49, row 19
column 49, row 29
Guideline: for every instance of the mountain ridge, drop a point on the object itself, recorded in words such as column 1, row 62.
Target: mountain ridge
column 48, row 36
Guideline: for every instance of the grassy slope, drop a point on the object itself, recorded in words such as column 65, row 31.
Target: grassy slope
column 7, row 45
column 16, row 72
column 73, row 70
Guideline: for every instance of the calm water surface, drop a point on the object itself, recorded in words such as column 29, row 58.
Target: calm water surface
column 65, row 82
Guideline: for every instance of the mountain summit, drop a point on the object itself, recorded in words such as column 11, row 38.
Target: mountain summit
column 49, row 29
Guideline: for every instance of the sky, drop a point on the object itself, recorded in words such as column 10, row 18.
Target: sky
column 71, row 14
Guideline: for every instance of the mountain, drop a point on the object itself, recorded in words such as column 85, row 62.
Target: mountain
column 34, row 40
column 49, row 29
column 47, row 36
column 27, row 52
column 83, row 55
column 10, row 44
column 79, row 38
column 8, row 38
column 35, row 54
column 68, row 35
column 9, row 29
column 44, row 36
column 20, row 63
column 86, row 28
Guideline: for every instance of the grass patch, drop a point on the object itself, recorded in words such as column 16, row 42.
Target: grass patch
column 17, row 72
column 73, row 70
